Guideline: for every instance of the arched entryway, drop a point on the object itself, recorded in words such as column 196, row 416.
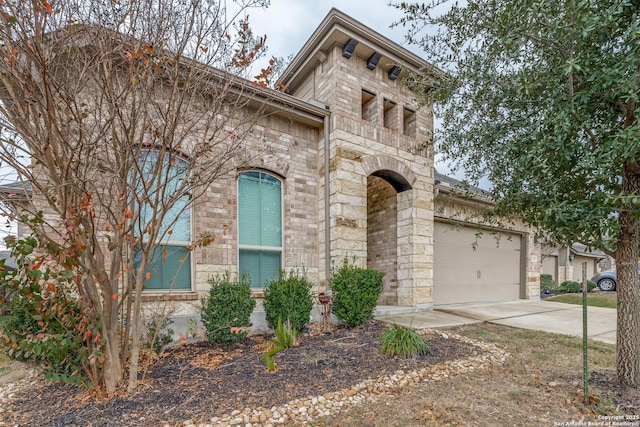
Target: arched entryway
column 382, row 217
column 383, row 188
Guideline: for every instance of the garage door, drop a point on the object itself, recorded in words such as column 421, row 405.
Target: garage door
column 470, row 268
column 550, row 266
column 580, row 262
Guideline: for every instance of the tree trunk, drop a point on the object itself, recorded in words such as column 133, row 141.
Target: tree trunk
column 112, row 370
column 135, row 333
column 628, row 339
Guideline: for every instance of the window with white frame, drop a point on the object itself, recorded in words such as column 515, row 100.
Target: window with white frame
column 259, row 226
column 170, row 266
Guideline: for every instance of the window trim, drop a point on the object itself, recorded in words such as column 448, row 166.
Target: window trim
column 240, row 246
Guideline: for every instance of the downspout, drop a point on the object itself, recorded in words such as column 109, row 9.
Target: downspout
column 327, row 205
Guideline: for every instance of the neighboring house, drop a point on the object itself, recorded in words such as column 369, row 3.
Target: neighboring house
column 569, row 263
column 9, row 261
column 9, row 264
column 352, row 175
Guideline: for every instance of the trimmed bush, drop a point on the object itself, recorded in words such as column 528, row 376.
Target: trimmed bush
column 575, row 287
column 227, row 309
column 547, row 283
column 288, row 298
column 570, row 286
column 356, row 293
column 398, row 341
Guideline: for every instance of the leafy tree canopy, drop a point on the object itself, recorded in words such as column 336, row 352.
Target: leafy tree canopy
column 541, row 98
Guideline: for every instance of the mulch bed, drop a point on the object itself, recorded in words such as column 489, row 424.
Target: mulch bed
column 200, row 380
column 626, row 399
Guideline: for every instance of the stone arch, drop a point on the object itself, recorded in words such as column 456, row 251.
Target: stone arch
column 388, row 182
column 392, row 170
column 269, row 164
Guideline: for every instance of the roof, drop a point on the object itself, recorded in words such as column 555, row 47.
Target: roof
column 451, row 185
column 10, row 262
column 583, row 250
column 275, row 101
column 336, row 29
column 16, row 191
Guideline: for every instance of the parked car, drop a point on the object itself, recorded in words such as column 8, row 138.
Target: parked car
column 607, row 280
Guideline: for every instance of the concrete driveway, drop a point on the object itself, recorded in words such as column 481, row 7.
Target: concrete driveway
column 525, row 314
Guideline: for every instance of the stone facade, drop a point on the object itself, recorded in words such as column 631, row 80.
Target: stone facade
column 368, row 141
column 382, row 238
column 296, row 163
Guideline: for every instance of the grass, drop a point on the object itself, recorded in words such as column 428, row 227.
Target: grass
column 403, row 342
column 597, row 299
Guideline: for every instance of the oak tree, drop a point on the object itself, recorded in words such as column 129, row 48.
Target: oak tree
column 541, row 98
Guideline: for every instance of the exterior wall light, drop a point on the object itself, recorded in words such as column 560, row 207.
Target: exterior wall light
column 394, row 72
column 349, row 48
column 372, row 62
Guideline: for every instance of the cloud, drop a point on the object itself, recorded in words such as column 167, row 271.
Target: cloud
column 288, row 24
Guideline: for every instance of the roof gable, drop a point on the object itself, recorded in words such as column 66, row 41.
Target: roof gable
column 337, row 28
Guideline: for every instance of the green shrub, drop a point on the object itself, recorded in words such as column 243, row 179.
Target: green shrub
column 227, row 309
column 570, row 286
column 157, row 334
column 574, row 287
column 288, row 298
column 356, row 293
column 398, row 341
column 49, row 324
column 547, row 283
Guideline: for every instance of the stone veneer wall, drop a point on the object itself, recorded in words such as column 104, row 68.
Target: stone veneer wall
column 287, row 149
column 281, row 146
column 382, row 241
column 361, row 147
column 293, row 157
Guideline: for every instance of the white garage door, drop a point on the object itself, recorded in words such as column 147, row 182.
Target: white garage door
column 472, row 268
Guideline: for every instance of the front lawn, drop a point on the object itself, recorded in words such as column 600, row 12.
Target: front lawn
column 596, row 299
column 538, row 385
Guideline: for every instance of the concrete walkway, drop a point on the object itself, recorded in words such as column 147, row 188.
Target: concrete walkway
column 544, row 316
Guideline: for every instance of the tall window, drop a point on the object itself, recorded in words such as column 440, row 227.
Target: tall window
column 170, row 267
column 259, row 226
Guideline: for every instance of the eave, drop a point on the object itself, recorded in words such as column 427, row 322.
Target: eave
column 336, row 29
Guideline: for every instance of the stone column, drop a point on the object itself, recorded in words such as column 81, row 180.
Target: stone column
column 415, row 250
column 348, row 213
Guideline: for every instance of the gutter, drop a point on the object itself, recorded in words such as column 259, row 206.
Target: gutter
column 327, row 205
